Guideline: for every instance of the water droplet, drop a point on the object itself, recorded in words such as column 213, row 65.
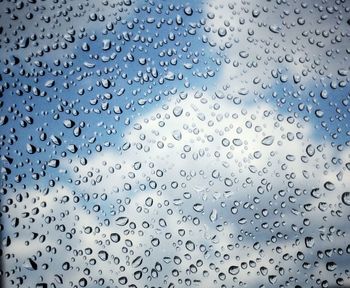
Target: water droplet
column 268, row 140
column 345, row 198
column 233, row 270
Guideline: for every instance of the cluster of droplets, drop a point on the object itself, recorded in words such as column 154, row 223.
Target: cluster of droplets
column 154, row 144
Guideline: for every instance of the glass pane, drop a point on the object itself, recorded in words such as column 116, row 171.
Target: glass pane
column 171, row 144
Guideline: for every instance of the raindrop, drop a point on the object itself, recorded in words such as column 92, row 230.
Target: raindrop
column 115, row 237
column 345, row 198
column 233, row 270
column 268, row 140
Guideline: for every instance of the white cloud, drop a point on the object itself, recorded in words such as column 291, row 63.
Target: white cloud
column 208, row 160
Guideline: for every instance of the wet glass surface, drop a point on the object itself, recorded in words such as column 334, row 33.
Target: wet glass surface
column 175, row 144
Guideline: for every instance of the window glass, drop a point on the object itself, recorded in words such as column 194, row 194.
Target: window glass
column 175, row 144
